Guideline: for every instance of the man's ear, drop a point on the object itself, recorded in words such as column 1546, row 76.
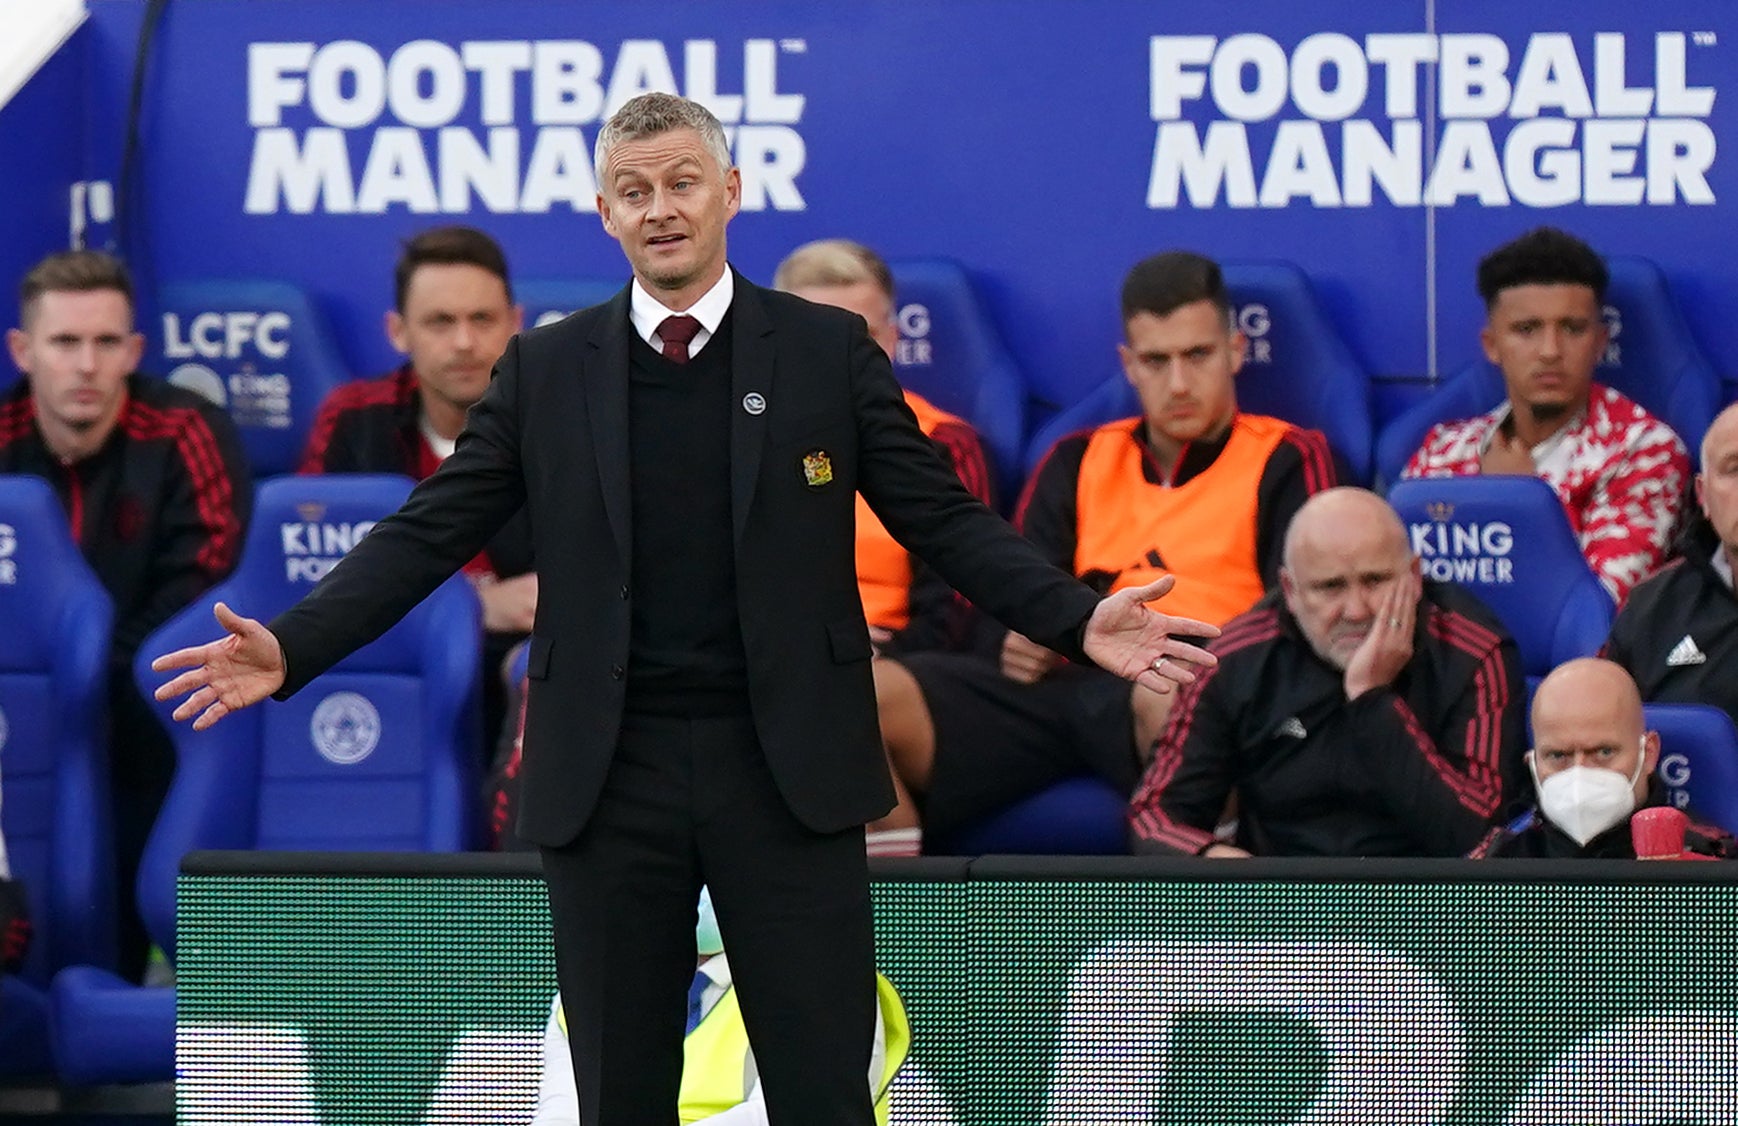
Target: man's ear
column 733, row 191
column 1488, row 341
column 18, row 343
column 1126, row 356
column 394, row 323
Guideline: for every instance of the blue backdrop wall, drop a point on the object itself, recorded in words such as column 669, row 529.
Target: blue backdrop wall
column 1047, row 146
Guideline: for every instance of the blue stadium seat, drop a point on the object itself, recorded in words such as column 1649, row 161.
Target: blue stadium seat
column 1077, row 817
column 377, row 754
column 1507, row 540
column 951, row 353
column 260, row 349
column 546, row 300
column 53, row 759
column 1299, row 368
column 1652, row 359
column 1698, row 760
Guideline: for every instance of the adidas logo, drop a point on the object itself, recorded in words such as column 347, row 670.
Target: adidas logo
column 1685, row 653
column 1293, row 727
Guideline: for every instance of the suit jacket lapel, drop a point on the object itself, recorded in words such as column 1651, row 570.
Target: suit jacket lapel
column 751, row 368
column 605, row 380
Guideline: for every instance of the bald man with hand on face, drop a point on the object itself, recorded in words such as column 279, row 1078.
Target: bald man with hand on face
column 1356, row 711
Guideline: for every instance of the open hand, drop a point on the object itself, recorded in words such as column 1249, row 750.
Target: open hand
column 225, row 675
column 1137, row 643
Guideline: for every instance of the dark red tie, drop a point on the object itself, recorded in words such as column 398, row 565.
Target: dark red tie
column 676, row 332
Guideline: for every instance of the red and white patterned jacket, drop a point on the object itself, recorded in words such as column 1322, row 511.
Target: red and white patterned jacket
column 1620, row 472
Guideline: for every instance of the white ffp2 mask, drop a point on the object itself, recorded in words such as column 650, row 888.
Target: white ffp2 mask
column 1585, row 801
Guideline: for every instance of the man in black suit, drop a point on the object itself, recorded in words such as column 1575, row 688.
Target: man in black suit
column 701, row 708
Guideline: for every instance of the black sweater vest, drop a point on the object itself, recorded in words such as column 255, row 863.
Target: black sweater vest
column 685, row 655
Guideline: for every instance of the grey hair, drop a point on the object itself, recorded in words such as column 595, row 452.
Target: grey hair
column 651, row 114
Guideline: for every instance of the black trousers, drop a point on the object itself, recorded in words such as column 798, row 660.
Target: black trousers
column 686, row 802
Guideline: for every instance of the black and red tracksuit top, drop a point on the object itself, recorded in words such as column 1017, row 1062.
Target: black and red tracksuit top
column 372, row 426
column 159, row 510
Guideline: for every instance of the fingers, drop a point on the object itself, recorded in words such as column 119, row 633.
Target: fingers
column 180, row 659
column 194, row 703
column 186, row 682
column 1180, row 654
column 1188, row 627
column 1157, row 681
column 1173, row 671
column 230, row 620
column 1399, row 607
column 1158, row 588
column 211, row 715
column 1027, row 668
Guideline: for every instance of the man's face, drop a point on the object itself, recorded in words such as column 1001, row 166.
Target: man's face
column 1182, row 366
column 77, row 351
column 1594, row 733
column 864, row 298
column 1336, row 579
column 455, row 324
column 1717, row 483
column 1547, row 339
column 666, row 200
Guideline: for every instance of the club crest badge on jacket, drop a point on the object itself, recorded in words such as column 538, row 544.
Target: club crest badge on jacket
column 817, row 469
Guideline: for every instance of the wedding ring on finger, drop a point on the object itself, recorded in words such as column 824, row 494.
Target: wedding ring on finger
column 1159, row 666
column 1395, row 622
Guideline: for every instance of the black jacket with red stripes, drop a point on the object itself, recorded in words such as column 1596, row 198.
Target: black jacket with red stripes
column 159, row 511
column 1420, row 768
column 372, row 426
column 1532, row 835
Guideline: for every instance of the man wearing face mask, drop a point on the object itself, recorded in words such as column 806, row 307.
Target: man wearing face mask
column 1593, row 765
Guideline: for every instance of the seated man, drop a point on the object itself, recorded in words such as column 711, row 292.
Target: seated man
column 156, row 487
column 453, row 318
column 1677, row 636
column 1593, row 763
column 1357, row 712
column 1192, row 488
column 1619, row 471
column 719, row 1083
column 909, row 608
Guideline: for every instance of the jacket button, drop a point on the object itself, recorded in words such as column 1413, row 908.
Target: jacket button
column 617, row 672
column 624, row 594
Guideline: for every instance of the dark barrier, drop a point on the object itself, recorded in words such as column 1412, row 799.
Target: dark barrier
column 413, row 989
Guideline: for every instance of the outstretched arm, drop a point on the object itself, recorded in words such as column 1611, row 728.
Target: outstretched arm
column 225, row 675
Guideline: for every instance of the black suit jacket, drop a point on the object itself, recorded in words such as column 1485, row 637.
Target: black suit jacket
column 551, row 434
